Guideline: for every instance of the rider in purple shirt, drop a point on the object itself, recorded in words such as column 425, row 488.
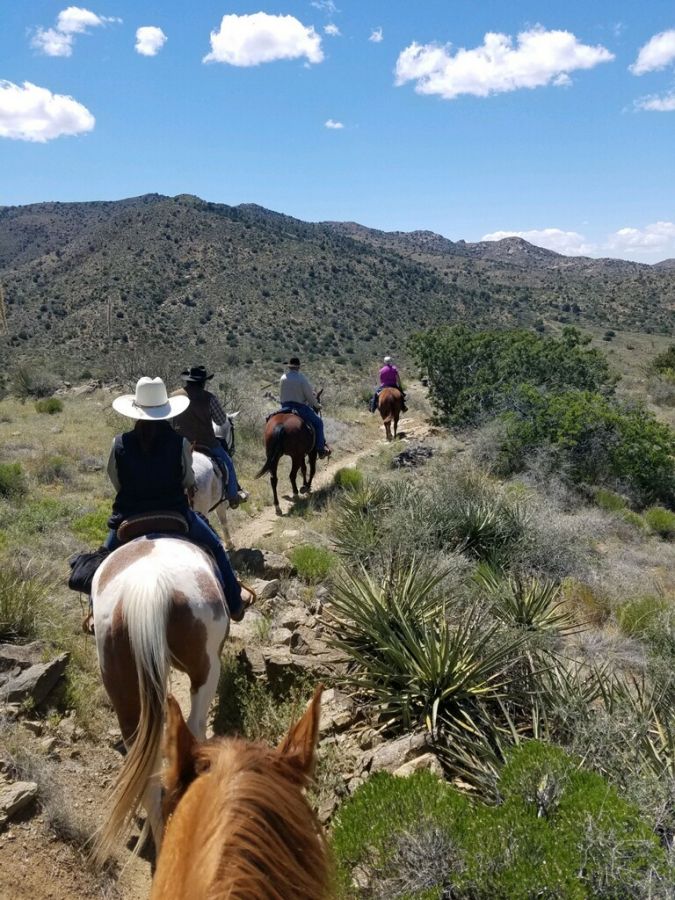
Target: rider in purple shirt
column 389, row 377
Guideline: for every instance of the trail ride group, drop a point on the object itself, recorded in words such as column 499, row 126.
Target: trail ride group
column 228, row 818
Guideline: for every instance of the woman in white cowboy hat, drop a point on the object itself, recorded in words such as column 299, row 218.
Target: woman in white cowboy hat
column 151, row 470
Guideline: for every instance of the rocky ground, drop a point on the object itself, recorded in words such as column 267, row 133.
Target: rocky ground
column 52, row 800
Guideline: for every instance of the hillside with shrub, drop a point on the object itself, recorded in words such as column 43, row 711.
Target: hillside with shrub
column 90, row 285
column 490, row 602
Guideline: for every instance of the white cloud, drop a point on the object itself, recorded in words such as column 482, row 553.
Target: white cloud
column 654, row 103
column 332, row 30
column 657, row 53
column 656, row 240
column 537, row 58
column 32, row 113
column 571, row 243
column 376, row 35
column 331, row 123
column 258, row 38
column 149, row 40
column 58, row 41
column 649, row 244
column 327, row 6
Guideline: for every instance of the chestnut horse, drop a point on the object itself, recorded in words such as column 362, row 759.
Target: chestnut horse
column 157, row 602
column 287, row 435
column 238, row 822
column 390, row 404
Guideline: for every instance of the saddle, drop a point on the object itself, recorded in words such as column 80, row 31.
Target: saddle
column 151, row 523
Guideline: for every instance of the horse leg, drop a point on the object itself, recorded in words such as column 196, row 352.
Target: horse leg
column 387, row 428
column 312, row 469
column 305, row 484
column 395, row 424
column 295, row 465
column 274, row 481
column 222, row 518
column 203, row 690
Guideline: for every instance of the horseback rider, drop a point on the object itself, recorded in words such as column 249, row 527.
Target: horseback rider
column 297, row 395
column 196, row 424
column 150, row 468
column 389, row 377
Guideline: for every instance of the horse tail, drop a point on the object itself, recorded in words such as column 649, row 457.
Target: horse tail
column 275, row 450
column 147, row 595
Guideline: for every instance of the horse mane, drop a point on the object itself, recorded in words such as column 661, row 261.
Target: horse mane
column 258, row 836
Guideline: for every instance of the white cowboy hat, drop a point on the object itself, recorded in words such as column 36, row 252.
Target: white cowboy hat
column 150, row 402
column 387, row 360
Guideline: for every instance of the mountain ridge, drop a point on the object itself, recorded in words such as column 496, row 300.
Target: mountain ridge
column 103, row 278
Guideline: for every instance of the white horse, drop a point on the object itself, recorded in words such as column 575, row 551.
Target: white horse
column 157, row 603
column 209, row 479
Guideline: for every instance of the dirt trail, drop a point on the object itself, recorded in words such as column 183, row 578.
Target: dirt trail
column 249, row 533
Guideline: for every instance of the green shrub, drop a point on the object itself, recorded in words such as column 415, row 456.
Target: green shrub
column 22, row 602
column 559, row 832
column 661, row 521
column 665, row 362
column 92, row 527
column 594, row 441
column 33, row 383
column 313, row 563
column 634, row 519
column 36, row 516
column 52, row 469
column 368, row 827
column 12, row 480
column 638, row 618
column 348, row 479
column 49, row 405
column 609, row 500
column 477, row 374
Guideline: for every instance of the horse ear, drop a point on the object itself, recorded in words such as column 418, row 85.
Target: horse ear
column 300, row 743
column 179, row 751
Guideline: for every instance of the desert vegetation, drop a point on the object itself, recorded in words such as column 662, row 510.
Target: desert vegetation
column 503, row 602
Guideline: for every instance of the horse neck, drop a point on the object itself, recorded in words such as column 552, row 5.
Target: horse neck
column 256, row 834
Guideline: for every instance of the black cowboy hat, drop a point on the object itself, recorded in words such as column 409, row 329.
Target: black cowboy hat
column 196, row 374
column 294, row 361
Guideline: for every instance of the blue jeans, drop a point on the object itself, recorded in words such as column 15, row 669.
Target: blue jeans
column 201, row 533
column 221, row 454
column 308, row 415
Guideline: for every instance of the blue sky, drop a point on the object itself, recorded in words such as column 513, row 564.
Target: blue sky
column 562, row 129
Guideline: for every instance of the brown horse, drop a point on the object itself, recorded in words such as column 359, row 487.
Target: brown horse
column 390, row 404
column 287, row 435
column 238, row 822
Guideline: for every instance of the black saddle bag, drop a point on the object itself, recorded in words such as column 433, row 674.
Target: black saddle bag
column 83, row 567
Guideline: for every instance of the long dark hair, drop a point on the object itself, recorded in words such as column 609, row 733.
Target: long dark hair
column 149, row 434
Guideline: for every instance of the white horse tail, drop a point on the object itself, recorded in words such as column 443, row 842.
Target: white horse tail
column 146, row 594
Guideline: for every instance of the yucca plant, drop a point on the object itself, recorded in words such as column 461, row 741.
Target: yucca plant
column 357, row 529
column 407, row 660
column 485, row 528
column 529, row 603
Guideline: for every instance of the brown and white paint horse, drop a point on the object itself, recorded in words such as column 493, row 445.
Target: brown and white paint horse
column 238, row 822
column 157, row 603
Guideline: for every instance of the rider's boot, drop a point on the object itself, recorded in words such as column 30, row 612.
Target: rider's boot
column 325, row 453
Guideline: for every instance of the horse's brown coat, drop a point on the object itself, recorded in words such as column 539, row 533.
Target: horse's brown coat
column 298, row 442
column 390, row 404
column 116, row 563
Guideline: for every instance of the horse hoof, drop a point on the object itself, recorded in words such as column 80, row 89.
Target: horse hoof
column 304, row 489
column 277, row 510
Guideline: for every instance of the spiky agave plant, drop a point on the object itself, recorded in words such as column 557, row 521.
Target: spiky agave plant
column 533, row 604
column 407, row 660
